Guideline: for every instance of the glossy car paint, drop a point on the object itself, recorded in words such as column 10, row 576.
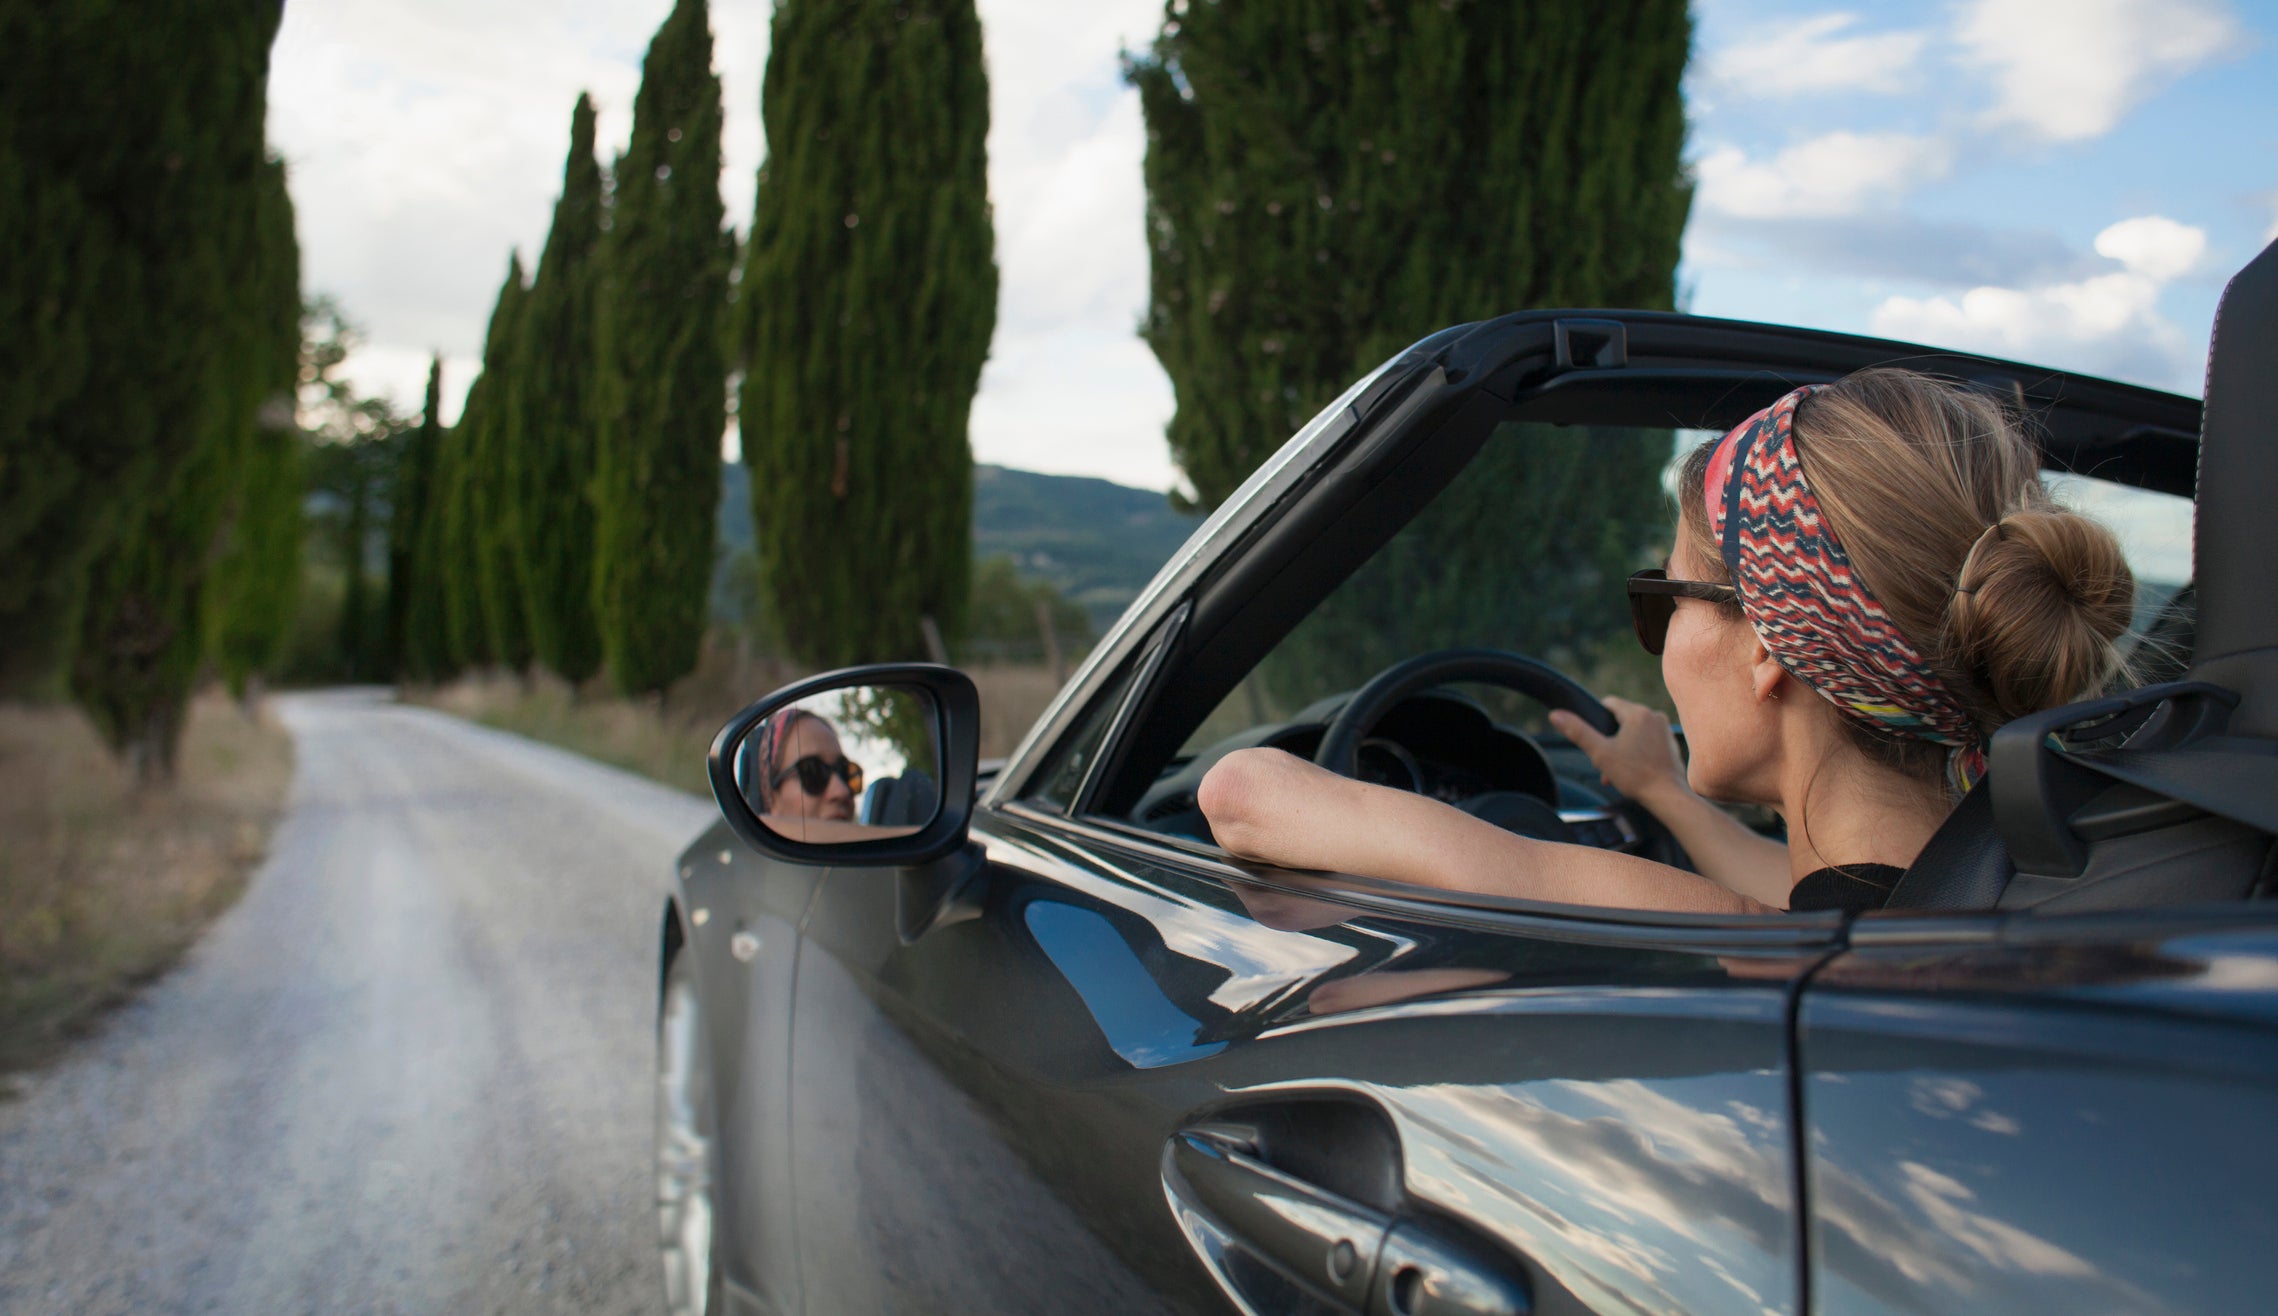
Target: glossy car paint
column 2074, row 1114
column 726, row 889
column 980, row 1115
column 975, row 1117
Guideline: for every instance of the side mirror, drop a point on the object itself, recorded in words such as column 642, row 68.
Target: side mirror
column 866, row 765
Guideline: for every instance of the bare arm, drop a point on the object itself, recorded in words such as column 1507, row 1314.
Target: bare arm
column 1275, row 808
column 1641, row 761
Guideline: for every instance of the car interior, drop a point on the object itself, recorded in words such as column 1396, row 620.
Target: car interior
column 1363, row 616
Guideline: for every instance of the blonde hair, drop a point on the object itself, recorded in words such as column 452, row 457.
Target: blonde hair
column 1934, row 491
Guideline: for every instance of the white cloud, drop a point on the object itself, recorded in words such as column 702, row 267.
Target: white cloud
column 2106, row 324
column 1813, row 55
column 2154, row 246
column 1838, row 173
column 2067, row 70
column 426, row 137
column 1069, row 387
column 1079, row 402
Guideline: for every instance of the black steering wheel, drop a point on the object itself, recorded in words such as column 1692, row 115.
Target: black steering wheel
column 1537, row 680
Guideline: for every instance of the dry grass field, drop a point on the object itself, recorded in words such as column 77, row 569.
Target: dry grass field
column 666, row 743
column 667, row 740
column 102, row 886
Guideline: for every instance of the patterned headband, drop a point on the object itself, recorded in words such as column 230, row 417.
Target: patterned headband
column 772, row 733
column 1806, row 603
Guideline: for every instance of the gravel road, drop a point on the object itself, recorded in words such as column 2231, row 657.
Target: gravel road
column 409, row 1072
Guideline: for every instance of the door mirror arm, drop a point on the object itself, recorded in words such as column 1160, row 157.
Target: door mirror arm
column 940, row 893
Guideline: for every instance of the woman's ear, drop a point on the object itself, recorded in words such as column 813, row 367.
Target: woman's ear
column 1769, row 679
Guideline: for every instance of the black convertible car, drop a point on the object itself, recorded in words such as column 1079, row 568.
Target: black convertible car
column 1017, row 1037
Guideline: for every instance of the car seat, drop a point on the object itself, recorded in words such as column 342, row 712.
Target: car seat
column 2167, row 794
column 909, row 800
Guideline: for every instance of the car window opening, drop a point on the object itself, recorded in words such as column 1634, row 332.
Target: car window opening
column 1464, row 570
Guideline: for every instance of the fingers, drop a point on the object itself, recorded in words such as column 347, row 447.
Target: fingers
column 1584, row 736
column 1626, row 711
column 1636, row 717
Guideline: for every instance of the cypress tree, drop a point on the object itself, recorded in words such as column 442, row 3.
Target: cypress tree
column 58, row 249
column 256, row 576
column 351, row 459
column 871, row 284
column 416, row 610
column 662, row 377
column 360, row 657
column 1328, row 181
column 140, row 640
column 490, row 504
column 147, row 612
column 466, row 628
column 550, row 440
column 368, row 645
column 130, row 146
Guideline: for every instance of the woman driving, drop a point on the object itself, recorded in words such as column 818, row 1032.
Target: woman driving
column 1868, row 578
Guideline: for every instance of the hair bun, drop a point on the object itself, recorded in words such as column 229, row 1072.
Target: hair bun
column 2039, row 601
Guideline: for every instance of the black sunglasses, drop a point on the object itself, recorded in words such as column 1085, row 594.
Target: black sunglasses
column 1653, row 601
column 815, row 773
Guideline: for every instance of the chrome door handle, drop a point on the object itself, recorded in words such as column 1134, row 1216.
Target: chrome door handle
column 1324, row 1242
column 1419, row 1275
column 1347, row 1252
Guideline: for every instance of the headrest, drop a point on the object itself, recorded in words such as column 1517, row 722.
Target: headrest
column 2236, row 547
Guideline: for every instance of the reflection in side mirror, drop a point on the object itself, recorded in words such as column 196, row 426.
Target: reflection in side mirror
column 873, row 766
column 859, row 763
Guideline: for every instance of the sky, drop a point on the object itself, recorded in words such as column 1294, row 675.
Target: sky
column 2066, row 182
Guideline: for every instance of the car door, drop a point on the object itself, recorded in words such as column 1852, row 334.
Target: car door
column 1085, row 1067
column 1059, row 1097
column 742, row 913
column 2045, row 1113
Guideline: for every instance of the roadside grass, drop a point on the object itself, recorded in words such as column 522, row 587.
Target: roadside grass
column 102, row 886
column 667, row 743
column 666, row 740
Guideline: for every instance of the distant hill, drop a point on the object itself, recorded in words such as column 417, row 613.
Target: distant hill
column 1095, row 541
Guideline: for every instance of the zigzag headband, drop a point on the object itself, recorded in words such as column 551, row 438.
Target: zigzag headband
column 772, row 732
column 1810, row 609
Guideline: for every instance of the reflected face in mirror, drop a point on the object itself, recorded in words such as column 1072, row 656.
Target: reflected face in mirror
column 847, row 765
column 811, row 776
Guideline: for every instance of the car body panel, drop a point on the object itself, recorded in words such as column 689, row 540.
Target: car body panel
column 980, row 1114
column 727, row 892
column 2078, row 1114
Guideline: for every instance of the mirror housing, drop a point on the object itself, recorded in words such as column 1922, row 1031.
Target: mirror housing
column 956, row 736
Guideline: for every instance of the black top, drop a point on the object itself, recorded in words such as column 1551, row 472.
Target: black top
column 1852, row 888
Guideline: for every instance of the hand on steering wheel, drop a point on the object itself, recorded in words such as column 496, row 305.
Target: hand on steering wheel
column 1640, row 760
